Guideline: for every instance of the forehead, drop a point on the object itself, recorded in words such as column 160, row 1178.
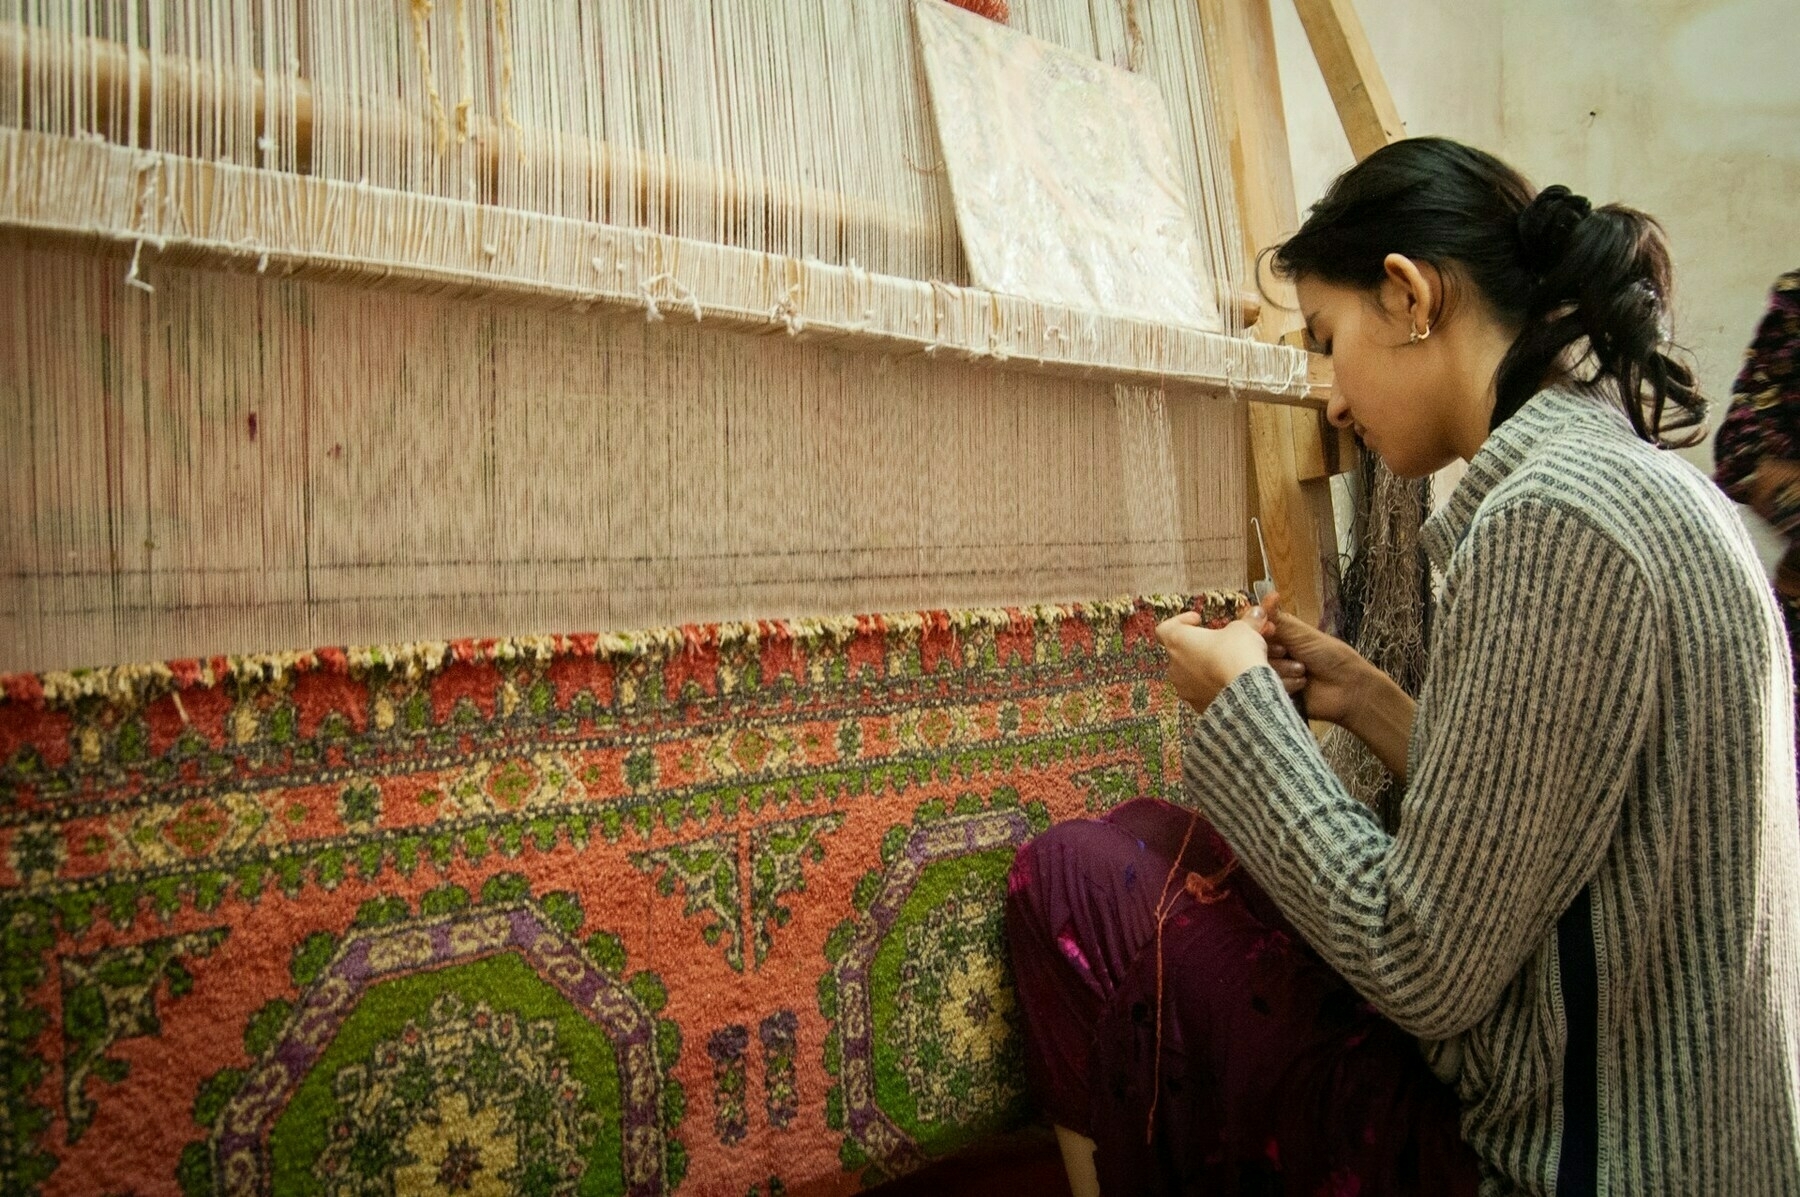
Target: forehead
column 1320, row 298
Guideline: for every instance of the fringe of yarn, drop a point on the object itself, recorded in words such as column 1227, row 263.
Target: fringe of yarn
column 1385, row 594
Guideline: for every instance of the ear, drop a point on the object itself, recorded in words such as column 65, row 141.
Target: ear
column 1416, row 287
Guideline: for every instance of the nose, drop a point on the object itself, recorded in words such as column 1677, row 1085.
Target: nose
column 1337, row 410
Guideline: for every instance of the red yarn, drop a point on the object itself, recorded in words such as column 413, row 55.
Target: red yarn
column 993, row 10
column 1164, row 905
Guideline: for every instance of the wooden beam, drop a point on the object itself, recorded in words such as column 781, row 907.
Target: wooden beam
column 116, row 79
column 1366, row 110
column 1255, row 126
column 1370, row 120
column 1315, row 455
column 1357, row 88
column 1243, row 45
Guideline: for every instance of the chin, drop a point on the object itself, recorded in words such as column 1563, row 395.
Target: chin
column 1395, row 467
column 1411, row 468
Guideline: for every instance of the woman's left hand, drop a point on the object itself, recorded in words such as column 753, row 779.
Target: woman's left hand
column 1203, row 661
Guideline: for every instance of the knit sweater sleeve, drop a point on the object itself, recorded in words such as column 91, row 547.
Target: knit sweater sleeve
column 1537, row 704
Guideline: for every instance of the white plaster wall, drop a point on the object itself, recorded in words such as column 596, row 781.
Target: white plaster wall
column 1440, row 59
column 1688, row 109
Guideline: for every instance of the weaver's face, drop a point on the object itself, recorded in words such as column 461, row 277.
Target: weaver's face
column 1391, row 392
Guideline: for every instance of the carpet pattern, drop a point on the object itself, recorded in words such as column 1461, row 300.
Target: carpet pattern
column 709, row 910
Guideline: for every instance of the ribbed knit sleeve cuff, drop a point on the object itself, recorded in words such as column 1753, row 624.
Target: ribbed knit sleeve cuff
column 1252, row 721
column 1255, row 770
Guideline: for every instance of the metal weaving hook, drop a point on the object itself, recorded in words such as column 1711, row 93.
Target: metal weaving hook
column 1266, row 586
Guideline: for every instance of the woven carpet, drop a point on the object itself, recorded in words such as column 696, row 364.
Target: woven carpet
column 708, row 910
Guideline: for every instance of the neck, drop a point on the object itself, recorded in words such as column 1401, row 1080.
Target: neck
column 1475, row 363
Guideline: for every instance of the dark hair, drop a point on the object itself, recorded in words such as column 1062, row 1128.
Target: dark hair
column 1586, row 287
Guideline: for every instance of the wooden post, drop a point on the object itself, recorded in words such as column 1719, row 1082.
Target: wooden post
column 1358, row 91
column 1286, row 448
column 1371, row 121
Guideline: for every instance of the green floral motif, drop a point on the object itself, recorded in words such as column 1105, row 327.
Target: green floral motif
column 111, row 996
column 751, row 750
column 443, row 764
column 781, row 1092
column 464, row 1100
column 512, row 782
column 1108, row 785
column 640, row 769
column 779, row 853
column 360, row 805
column 471, row 1072
column 706, row 872
column 36, row 852
column 954, row 1009
column 923, row 1044
column 731, row 1110
column 197, row 828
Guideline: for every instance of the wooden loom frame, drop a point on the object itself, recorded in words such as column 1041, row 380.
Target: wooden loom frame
column 1292, row 452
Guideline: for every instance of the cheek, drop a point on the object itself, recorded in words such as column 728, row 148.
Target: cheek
column 1356, row 381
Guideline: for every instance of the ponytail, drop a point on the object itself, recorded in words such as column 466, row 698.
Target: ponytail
column 1600, row 282
column 1587, row 288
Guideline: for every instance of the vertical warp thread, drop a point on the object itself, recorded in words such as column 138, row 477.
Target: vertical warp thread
column 257, row 462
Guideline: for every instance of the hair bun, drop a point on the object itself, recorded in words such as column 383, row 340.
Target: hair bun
column 1546, row 226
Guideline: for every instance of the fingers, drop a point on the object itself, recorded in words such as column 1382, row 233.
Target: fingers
column 1293, row 632
column 1292, row 673
column 1171, row 628
column 1285, row 622
column 1257, row 616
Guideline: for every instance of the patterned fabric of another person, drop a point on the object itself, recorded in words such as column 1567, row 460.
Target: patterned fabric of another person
column 1758, row 447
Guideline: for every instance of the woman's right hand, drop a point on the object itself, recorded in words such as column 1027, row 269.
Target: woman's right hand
column 1333, row 676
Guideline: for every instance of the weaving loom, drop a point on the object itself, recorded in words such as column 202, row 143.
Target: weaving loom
column 451, row 330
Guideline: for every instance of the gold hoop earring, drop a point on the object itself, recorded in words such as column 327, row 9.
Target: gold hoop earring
column 1418, row 336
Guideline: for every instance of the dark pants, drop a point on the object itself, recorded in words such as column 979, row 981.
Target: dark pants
column 1272, row 1074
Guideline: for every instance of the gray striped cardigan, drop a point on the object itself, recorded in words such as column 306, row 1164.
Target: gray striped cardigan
column 1606, row 725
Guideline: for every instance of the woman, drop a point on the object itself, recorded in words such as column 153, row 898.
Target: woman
column 1584, row 920
column 1757, row 450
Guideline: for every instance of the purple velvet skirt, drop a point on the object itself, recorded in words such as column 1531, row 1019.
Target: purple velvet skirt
column 1266, row 1073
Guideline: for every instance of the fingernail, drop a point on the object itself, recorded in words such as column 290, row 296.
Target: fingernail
column 1256, row 613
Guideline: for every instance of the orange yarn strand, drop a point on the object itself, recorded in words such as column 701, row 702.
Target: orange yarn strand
column 1164, row 905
